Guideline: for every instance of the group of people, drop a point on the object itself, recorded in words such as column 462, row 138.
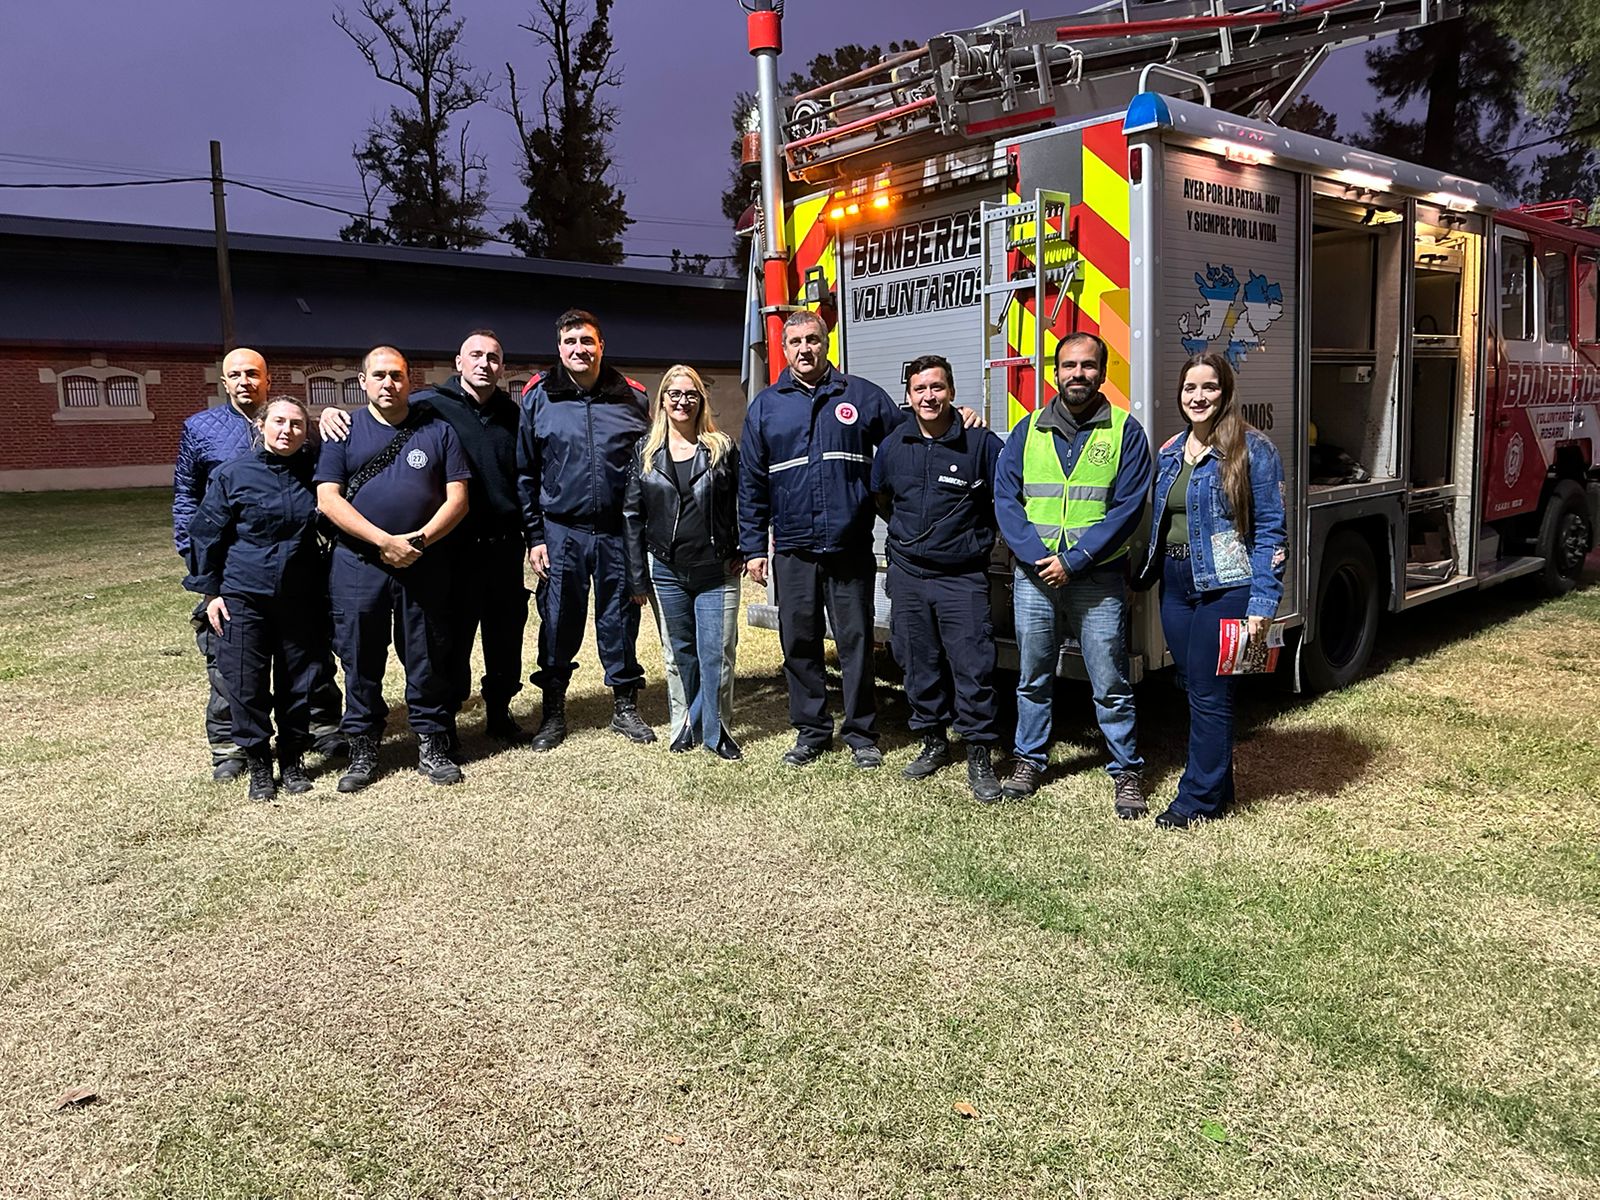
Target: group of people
column 431, row 502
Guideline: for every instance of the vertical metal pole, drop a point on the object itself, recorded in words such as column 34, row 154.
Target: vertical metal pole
column 765, row 30
column 224, row 271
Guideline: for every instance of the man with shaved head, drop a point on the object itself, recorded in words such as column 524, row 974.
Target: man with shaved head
column 394, row 489
column 211, row 437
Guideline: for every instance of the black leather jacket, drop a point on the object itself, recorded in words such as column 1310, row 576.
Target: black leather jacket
column 650, row 509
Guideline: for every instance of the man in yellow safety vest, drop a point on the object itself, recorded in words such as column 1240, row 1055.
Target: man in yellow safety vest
column 1070, row 487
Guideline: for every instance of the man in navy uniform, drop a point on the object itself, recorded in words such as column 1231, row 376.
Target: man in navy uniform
column 805, row 468
column 580, row 424
column 393, row 489
column 211, row 437
column 489, row 593
column 934, row 480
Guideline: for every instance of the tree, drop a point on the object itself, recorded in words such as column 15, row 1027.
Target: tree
column 572, row 211
column 1558, row 40
column 684, row 263
column 1305, row 115
column 824, row 68
column 435, row 191
column 1470, row 75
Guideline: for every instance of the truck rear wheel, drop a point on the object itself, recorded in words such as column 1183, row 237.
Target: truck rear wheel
column 1347, row 615
column 1565, row 538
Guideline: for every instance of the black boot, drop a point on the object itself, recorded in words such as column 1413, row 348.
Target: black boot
column 552, row 722
column 434, row 761
column 262, row 784
column 625, row 718
column 225, row 769
column 292, row 770
column 980, row 775
column 363, row 768
column 727, row 748
column 502, row 726
column 935, row 755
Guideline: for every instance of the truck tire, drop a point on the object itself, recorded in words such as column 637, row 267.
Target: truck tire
column 1347, row 615
column 1565, row 538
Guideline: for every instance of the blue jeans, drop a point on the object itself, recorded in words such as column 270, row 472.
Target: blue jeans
column 700, row 629
column 1093, row 609
column 1191, row 622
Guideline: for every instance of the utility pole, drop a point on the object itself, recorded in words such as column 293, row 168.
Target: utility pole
column 764, row 28
column 224, row 271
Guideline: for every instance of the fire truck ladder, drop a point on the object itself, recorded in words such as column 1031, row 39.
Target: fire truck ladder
column 1012, row 74
column 1025, row 248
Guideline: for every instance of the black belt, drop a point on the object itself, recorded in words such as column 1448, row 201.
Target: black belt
column 1177, row 549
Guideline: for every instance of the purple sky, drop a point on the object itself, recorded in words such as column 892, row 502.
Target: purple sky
column 102, row 90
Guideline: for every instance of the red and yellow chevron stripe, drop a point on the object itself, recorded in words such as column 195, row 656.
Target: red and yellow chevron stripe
column 1097, row 300
column 812, row 244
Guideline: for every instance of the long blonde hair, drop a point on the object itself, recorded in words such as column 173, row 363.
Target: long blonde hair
column 706, row 432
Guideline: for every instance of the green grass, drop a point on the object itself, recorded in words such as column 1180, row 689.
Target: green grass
column 610, row 971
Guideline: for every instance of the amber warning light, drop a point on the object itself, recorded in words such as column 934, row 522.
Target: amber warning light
column 871, row 196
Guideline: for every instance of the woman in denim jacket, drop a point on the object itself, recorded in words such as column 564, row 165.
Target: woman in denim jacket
column 1217, row 546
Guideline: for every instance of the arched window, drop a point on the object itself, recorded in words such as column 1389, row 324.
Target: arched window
column 103, row 393
column 334, row 387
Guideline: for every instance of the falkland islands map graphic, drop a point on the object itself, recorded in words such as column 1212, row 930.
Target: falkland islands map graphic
column 1230, row 313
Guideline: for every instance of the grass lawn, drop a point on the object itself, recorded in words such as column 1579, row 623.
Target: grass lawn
column 611, row 971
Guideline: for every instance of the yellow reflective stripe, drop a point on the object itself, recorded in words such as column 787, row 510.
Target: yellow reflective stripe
column 1043, row 489
column 1105, row 191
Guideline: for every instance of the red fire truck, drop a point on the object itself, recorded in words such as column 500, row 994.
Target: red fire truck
column 1426, row 360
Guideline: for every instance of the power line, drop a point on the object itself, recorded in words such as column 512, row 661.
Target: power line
column 121, row 183
column 503, row 210
column 292, row 199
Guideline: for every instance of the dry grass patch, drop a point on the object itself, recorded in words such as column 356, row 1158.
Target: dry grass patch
column 610, row 971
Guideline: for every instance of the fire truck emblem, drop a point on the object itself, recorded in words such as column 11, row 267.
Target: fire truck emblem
column 846, row 413
column 1234, row 314
column 1513, row 460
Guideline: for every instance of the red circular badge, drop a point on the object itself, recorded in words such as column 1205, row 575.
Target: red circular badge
column 846, row 413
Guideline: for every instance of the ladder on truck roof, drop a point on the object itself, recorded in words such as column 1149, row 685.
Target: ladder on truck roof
column 1013, row 74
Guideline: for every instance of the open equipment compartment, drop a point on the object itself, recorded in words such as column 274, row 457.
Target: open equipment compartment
column 1358, row 257
column 1447, row 277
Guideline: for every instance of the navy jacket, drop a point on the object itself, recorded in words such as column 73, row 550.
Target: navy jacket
column 806, row 464
column 1135, row 472
column 210, row 438
column 940, row 496
column 488, row 434
column 574, row 447
column 255, row 531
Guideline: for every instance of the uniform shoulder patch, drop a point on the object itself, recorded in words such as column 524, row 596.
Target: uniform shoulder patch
column 538, row 378
column 634, row 384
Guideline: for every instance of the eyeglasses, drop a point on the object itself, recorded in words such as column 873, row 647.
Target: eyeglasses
column 680, row 397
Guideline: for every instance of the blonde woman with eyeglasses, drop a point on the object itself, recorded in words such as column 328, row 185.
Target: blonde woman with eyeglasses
column 682, row 542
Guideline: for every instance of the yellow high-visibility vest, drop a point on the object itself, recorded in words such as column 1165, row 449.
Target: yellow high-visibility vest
column 1063, row 508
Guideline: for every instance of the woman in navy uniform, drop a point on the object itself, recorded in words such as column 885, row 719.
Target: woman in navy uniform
column 681, row 525
column 253, row 554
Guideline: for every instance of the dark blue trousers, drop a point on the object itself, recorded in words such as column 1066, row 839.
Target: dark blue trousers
column 1190, row 621
column 943, row 640
column 326, row 702
column 489, row 596
column 579, row 556
column 838, row 587
column 270, row 655
column 372, row 604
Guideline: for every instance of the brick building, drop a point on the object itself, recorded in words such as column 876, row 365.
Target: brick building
column 110, row 338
